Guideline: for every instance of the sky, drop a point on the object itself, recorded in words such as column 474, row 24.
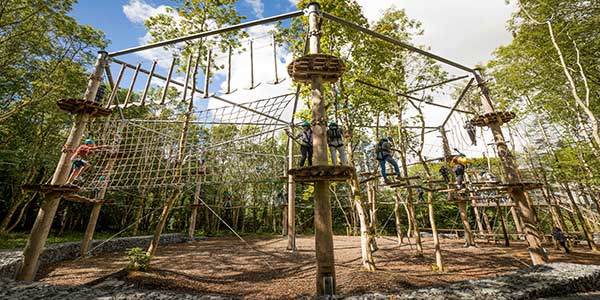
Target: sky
column 465, row 31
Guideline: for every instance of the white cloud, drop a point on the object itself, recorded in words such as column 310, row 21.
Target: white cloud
column 467, row 31
column 257, row 6
column 294, row 2
column 138, row 11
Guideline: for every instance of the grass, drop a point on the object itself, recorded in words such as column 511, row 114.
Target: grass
column 18, row 240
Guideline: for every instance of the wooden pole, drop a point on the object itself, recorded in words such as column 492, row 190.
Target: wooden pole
column 194, row 214
column 586, row 230
column 325, row 280
column 532, row 234
column 91, row 227
column 43, row 222
column 168, row 80
column 180, row 156
column 291, row 206
column 115, row 87
column 462, row 208
column 228, row 90
column 148, row 82
column 132, row 85
column 516, row 219
column 503, row 223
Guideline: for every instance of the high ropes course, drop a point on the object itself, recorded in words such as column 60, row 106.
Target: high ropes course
column 199, row 137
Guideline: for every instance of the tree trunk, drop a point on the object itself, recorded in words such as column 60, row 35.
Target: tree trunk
column 398, row 218
column 532, row 234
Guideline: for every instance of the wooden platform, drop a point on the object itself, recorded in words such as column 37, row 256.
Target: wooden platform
column 48, row 188
column 77, row 106
column 500, row 117
column 329, row 67
column 368, row 179
column 322, row 173
column 81, row 199
column 433, row 181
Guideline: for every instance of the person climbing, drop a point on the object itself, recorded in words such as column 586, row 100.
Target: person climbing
column 227, row 200
column 383, row 153
column 445, row 173
column 488, row 176
column 306, row 143
column 458, row 165
column 420, row 194
column 471, row 132
column 336, row 143
column 282, row 197
column 80, row 165
column 561, row 238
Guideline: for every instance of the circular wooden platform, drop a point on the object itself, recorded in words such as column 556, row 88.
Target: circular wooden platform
column 329, row 67
column 500, row 117
column 77, row 106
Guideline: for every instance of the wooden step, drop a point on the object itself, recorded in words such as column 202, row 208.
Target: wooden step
column 322, row 173
column 48, row 188
column 77, row 106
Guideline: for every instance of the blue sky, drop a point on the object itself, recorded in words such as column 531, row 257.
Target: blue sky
column 108, row 16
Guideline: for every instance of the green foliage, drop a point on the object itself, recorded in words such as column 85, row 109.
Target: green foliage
column 138, row 259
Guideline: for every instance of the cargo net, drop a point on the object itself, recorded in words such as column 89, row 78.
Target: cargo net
column 234, row 143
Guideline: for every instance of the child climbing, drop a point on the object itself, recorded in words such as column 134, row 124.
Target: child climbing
column 78, row 159
column 336, row 143
column 383, row 153
column 471, row 132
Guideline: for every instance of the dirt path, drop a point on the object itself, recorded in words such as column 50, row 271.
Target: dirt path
column 227, row 266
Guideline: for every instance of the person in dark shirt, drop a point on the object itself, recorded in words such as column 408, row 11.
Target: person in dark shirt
column 561, row 238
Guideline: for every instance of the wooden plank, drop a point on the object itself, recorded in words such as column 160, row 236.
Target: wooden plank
column 46, row 188
column 81, row 199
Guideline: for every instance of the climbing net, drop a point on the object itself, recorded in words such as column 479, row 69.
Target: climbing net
column 229, row 142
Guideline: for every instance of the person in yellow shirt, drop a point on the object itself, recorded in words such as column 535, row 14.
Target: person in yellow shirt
column 459, row 164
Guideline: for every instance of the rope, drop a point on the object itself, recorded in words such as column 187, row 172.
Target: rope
column 236, row 234
column 125, row 229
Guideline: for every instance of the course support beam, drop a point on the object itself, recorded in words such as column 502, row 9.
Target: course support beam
column 462, row 207
column 397, row 42
column 325, row 280
column 206, row 34
column 91, row 226
column 43, row 222
column 527, row 212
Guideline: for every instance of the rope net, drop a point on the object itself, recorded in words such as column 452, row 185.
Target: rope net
column 229, row 143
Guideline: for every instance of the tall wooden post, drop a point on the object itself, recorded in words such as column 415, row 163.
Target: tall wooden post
column 43, row 222
column 515, row 216
column 177, row 172
column 537, row 253
column 462, row 207
column 325, row 280
column 91, row 226
column 194, row 214
column 413, row 225
column 291, row 206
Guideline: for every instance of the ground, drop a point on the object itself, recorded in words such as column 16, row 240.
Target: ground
column 263, row 269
